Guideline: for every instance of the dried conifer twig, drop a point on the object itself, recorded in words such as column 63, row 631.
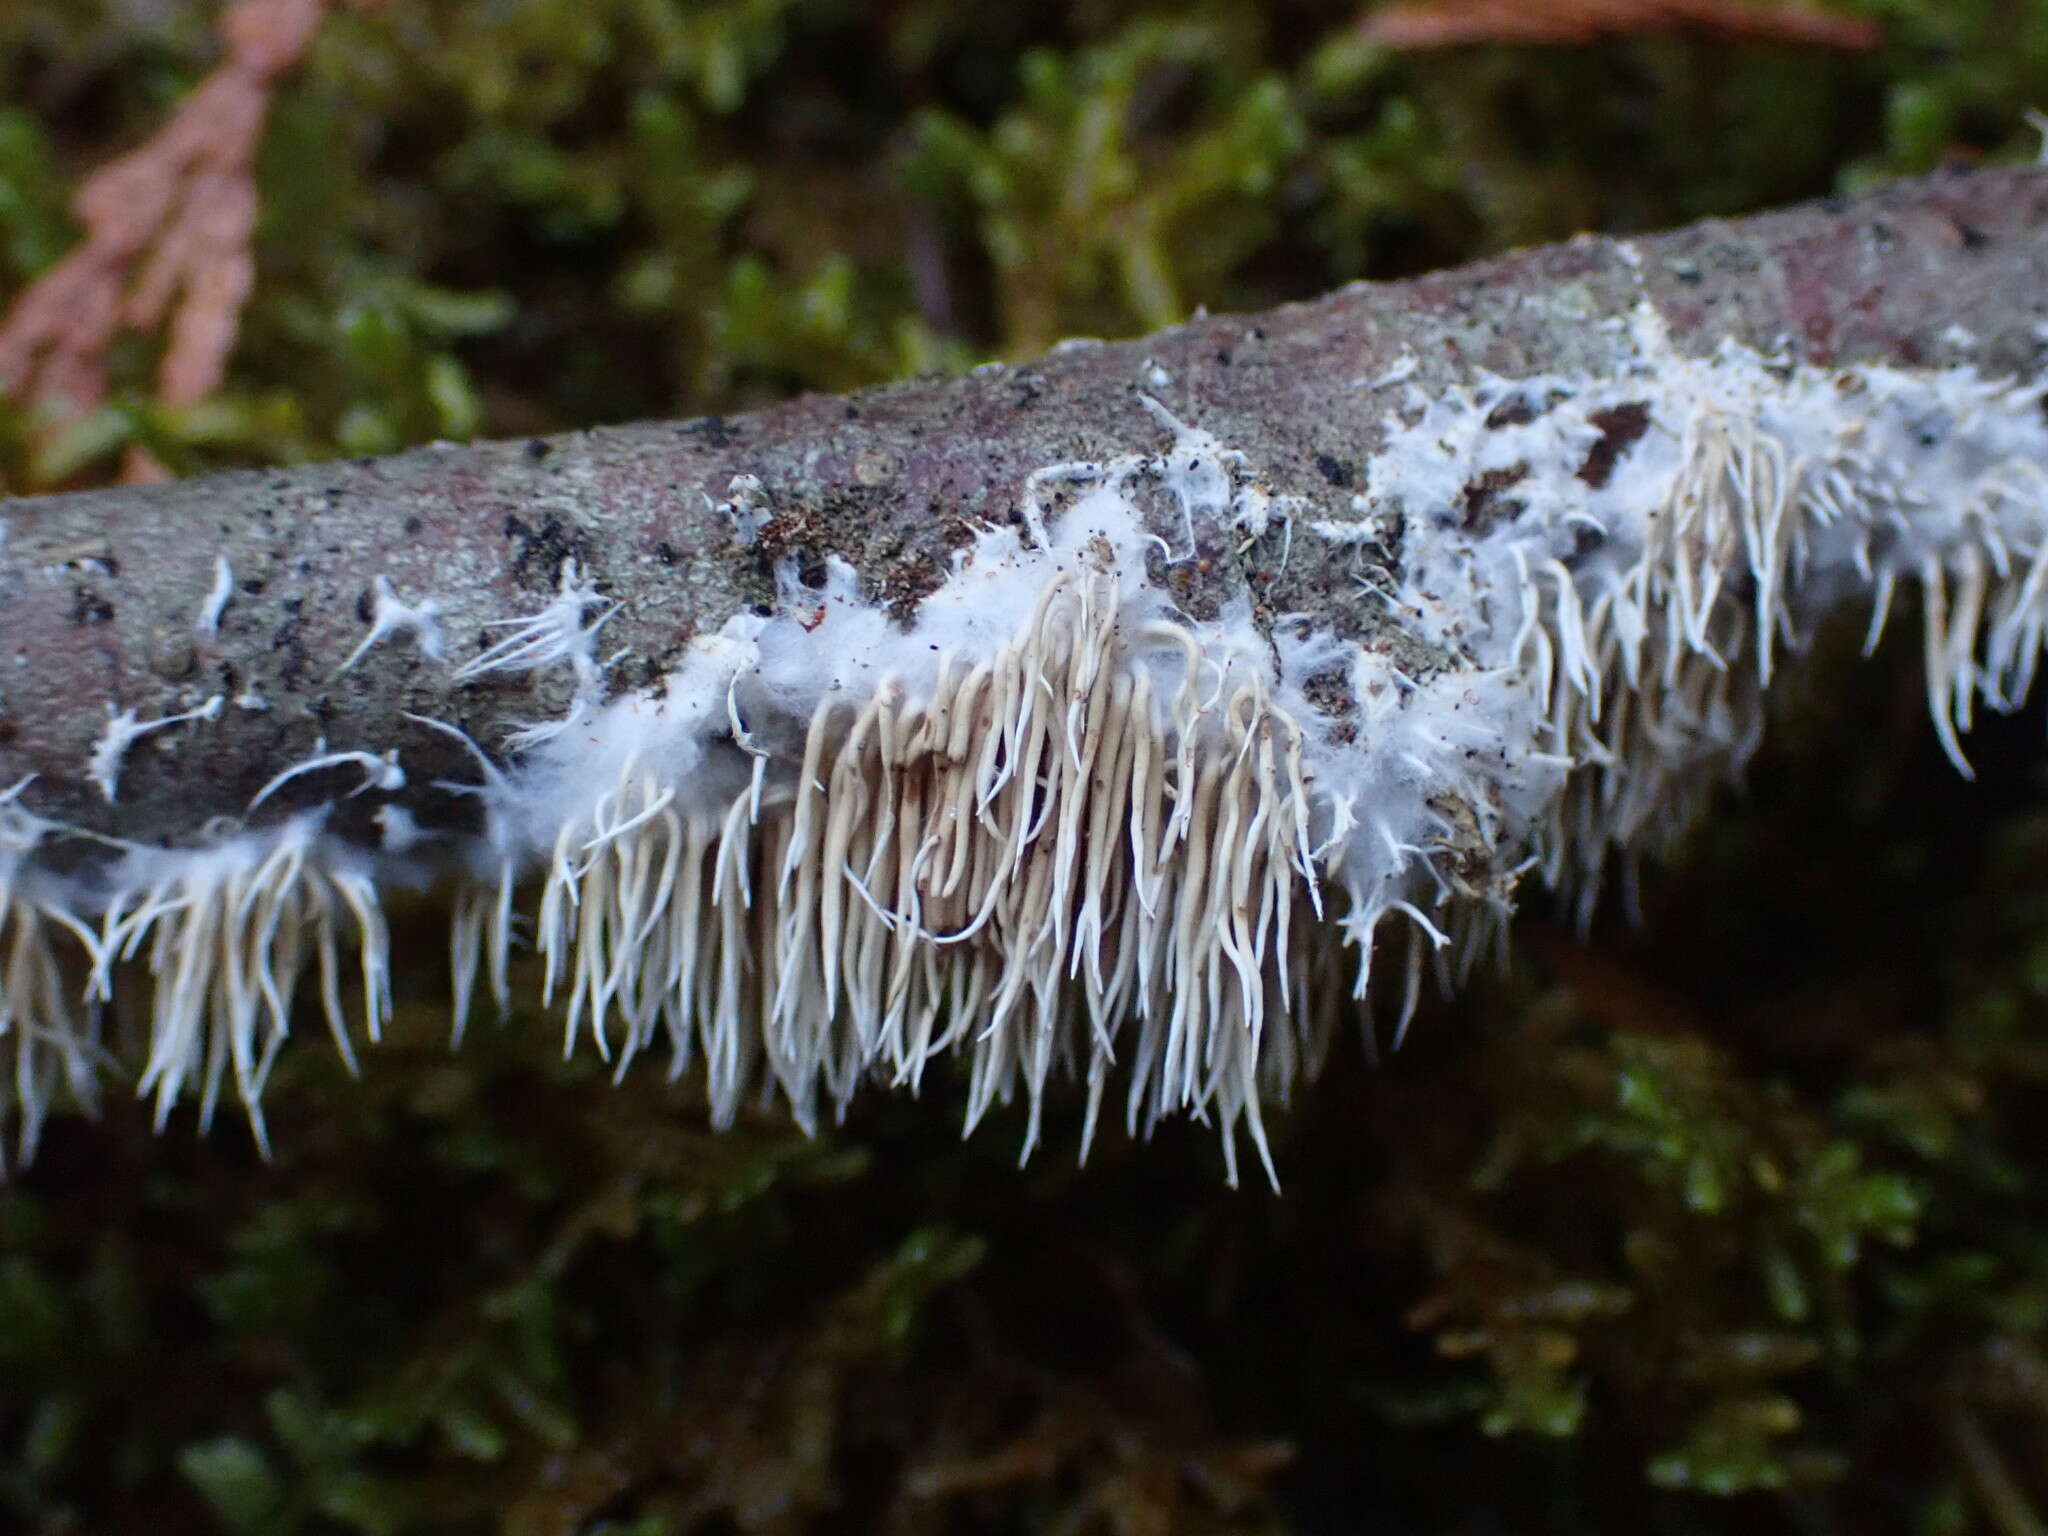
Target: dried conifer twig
column 1444, row 23
column 168, row 231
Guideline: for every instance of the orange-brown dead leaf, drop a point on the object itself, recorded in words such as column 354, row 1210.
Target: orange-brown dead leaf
column 168, row 231
column 1442, row 23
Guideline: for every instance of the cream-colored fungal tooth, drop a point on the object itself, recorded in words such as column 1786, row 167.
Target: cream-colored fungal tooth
column 1243, row 801
column 607, row 875
column 1983, row 518
column 765, row 922
column 1972, row 582
column 1067, row 791
column 373, row 948
column 800, row 987
column 1939, row 663
column 971, row 1005
column 615, row 986
column 968, row 703
column 1545, row 669
column 810, row 793
column 2013, row 647
column 1185, row 715
column 1102, row 843
column 498, row 936
column 908, row 942
column 1091, row 1116
column 1159, row 878
column 733, row 881
column 557, row 903
column 1190, row 944
column 1411, row 990
column 846, row 803
column 1013, row 978
column 958, row 828
column 1575, row 656
column 1142, row 1107
column 1047, row 1029
column 980, row 893
column 996, row 759
column 1009, row 831
column 1145, row 787
column 935, row 719
column 867, row 958
column 1276, row 917
column 1247, row 1104
column 987, row 1078
column 1272, row 877
column 676, row 949
column 1118, row 990
column 302, row 917
column 1603, row 653
column 1024, row 685
column 123, row 926
column 590, row 882
column 175, row 1041
column 35, row 1012
column 867, row 930
column 663, row 848
column 686, row 969
column 725, row 1048
column 1880, row 609
column 1031, row 801
column 466, row 925
column 934, row 979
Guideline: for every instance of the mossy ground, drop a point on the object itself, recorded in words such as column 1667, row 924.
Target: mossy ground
column 1733, row 1221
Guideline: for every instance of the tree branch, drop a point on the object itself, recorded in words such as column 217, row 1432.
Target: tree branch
column 1604, row 472
column 101, row 589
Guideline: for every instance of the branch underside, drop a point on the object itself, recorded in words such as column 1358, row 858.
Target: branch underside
column 1094, row 790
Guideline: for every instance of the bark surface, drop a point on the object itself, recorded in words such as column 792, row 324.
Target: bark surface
column 101, row 592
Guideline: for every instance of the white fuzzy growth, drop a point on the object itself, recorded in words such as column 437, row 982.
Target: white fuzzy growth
column 123, row 730
column 400, row 829
column 392, row 615
column 1048, row 808
column 746, row 507
column 1652, row 608
column 554, row 636
column 1054, row 823
column 216, row 604
column 380, row 771
column 1404, row 368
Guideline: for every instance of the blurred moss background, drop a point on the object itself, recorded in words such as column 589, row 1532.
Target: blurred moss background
column 1733, row 1221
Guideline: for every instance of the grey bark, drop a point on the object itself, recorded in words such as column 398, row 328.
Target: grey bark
column 100, row 591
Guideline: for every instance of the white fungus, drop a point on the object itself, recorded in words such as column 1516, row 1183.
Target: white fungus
column 123, row 730
column 380, row 771
column 554, row 635
column 216, row 604
column 391, row 615
column 1055, row 824
column 746, row 506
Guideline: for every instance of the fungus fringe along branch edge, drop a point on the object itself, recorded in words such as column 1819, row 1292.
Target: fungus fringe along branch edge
column 1053, row 825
